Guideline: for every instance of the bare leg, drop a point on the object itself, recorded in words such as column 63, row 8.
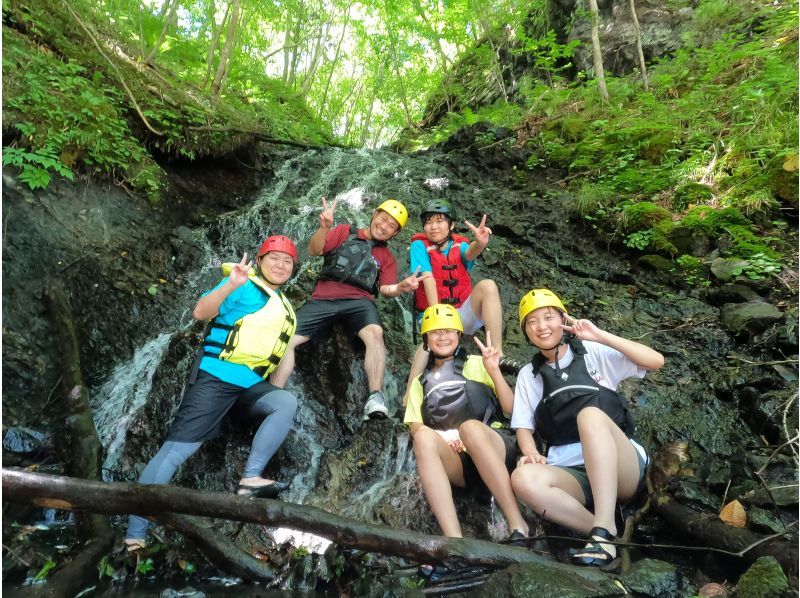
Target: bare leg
column 285, row 368
column 487, row 306
column 611, row 465
column 439, row 467
column 554, row 494
column 375, row 358
column 488, row 452
column 417, row 366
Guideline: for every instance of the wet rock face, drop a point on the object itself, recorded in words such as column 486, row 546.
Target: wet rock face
column 661, row 28
column 711, row 392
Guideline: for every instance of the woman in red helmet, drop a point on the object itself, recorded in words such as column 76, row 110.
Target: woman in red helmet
column 567, row 396
column 250, row 325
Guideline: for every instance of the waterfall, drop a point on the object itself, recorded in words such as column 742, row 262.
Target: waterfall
column 288, row 204
column 120, row 398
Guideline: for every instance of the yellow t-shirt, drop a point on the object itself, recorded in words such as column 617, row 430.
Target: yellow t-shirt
column 473, row 370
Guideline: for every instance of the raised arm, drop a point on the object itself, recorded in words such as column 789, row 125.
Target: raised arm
column 481, row 235
column 491, row 362
column 317, row 241
column 642, row 355
column 208, row 306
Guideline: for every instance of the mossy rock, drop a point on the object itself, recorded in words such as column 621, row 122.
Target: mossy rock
column 764, row 579
column 641, row 180
column 655, row 147
column 643, row 215
column 691, row 194
column 712, row 221
column 657, row 262
column 573, row 127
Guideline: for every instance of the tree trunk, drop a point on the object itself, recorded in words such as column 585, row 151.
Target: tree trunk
column 323, row 103
column 311, row 71
column 216, row 33
column 639, row 51
column 227, row 50
column 597, row 53
column 82, row 453
column 173, row 8
column 219, row 550
column 60, row 492
column 708, row 529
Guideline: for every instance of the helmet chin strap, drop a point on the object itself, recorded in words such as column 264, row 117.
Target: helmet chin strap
column 565, row 337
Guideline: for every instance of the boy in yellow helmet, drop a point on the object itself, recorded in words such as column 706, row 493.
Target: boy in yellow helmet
column 567, row 394
column 451, row 408
column 358, row 265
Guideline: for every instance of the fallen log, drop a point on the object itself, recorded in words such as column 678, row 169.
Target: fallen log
column 708, row 529
column 61, row 492
column 219, row 550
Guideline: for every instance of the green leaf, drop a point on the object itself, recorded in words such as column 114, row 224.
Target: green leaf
column 153, row 290
column 44, row 570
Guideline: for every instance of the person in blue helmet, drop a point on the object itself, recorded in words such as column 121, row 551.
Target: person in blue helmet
column 567, row 396
column 251, row 323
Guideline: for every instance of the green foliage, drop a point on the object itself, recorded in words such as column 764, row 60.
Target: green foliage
column 145, row 566
column 693, row 271
column 104, row 568
column 640, row 239
column 34, row 165
column 643, row 215
column 691, row 194
column 45, row 570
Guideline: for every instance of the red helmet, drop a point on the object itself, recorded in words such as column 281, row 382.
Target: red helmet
column 278, row 243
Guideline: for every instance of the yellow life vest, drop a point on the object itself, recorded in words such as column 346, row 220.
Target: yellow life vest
column 258, row 340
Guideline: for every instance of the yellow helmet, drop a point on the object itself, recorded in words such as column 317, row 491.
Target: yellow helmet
column 440, row 317
column 396, row 210
column 535, row 299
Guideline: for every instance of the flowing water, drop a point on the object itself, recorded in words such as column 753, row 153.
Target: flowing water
column 289, row 204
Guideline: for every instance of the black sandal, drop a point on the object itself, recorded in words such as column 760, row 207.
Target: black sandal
column 270, row 490
column 594, row 555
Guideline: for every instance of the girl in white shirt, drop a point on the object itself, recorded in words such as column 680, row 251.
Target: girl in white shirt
column 591, row 462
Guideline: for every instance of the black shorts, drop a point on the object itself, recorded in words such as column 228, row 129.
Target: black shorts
column 206, row 402
column 317, row 316
column 579, row 473
column 472, row 479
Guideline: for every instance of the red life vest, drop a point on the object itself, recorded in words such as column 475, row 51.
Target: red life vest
column 453, row 285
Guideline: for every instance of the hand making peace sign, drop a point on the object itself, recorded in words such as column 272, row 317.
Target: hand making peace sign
column 240, row 272
column 481, row 232
column 491, row 355
column 326, row 217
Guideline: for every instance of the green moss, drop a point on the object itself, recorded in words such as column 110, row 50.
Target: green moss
column 763, row 579
column 573, row 127
column 691, row 194
column 712, row 221
column 643, row 215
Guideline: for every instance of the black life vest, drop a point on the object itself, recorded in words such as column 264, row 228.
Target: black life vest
column 447, row 406
column 352, row 263
column 453, row 285
column 566, row 391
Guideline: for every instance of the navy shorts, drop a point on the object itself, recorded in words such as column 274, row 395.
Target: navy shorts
column 579, row 473
column 317, row 316
column 472, row 479
column 206, row 402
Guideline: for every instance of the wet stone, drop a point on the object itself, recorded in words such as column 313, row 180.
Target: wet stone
column 752, row 317
column 651, row 577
